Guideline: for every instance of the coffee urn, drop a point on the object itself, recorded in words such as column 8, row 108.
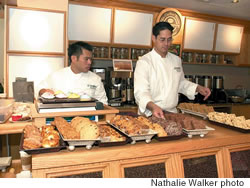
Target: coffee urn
column 208, row 82
column 219, row 94
column 218, row 82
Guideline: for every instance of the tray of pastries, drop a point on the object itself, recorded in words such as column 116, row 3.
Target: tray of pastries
column 79, row 132
column 134, row 129
column 230, row 121
column 166, row 129
column 43, row 140
column 191, row 126
column 111, row 137
column 196, row 109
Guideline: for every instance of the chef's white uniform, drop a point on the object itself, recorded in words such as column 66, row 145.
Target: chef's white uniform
column 160, row 80
column 67, row 81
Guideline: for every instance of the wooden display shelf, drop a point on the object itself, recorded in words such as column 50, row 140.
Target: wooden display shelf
column 40, row 118
column 111, row 161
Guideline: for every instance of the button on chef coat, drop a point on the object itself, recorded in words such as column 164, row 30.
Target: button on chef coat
column 160, row 80
column 67, row 81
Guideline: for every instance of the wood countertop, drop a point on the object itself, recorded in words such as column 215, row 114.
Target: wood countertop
column 221, row 137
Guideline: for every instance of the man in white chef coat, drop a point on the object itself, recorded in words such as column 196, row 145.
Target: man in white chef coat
column 159, row 77
column 76, row 78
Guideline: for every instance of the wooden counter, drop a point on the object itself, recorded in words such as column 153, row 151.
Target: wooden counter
column 112, row 161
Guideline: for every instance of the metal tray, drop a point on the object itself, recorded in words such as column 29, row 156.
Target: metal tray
column 201, row 132
column 62, row 145
column 72, row 143
column 168, row 138
column 204, row 116
column 64, row 100
column 105, row 142
column 149, row 133
column 230, row 127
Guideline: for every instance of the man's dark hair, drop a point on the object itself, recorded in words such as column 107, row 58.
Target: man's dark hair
column 76, row 49
column 158, row 27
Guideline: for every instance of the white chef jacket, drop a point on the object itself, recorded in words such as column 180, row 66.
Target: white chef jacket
column 67, row 81
column 160, row 80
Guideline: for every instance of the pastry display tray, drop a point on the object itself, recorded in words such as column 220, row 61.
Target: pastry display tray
column 64, row 100
column 105, row 142
column 200, row 132
column 79, row 142
column 147, row 135
column 230, row 126
column 168, row 138
column 204, row 116
column 62, row 145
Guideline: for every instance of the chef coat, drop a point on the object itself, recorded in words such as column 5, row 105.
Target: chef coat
column 67, row 81
column 160, row 80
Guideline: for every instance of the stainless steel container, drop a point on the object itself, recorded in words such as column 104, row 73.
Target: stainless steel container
column 199, row 80
column 218, row 82
column 189, row 78
column 208, row 81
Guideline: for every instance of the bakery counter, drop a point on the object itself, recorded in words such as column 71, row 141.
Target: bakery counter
column 112, row 161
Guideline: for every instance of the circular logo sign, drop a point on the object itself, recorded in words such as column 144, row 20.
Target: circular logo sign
column 173, row 18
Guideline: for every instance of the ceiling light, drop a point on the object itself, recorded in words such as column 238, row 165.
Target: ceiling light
column 235, row 1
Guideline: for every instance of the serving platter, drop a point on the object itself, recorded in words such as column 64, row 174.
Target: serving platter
column 106, row 142
column 242, row 130
column 79, row 142
column 204, row 116
column 65, row 100
column 170, row 137
column 200, row 132
column 62, row 145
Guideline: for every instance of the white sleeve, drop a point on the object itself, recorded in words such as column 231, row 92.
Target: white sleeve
column 100, row 93
column 41, row 85
column 142, row 85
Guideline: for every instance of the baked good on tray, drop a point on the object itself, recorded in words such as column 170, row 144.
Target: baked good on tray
column 171, row 127
column 129, row 125
column 230, row 119
column 187, row 121
column 45, row 137
column 196, row 107
column 65, row 128
column 154, row 126
column 79, row 128
column 107, row 131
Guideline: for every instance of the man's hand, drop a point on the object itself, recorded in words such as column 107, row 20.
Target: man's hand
column 203, row 91
column 156, row 110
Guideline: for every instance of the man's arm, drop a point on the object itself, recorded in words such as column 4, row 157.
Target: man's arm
column 155, row 109
column 203, row 91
